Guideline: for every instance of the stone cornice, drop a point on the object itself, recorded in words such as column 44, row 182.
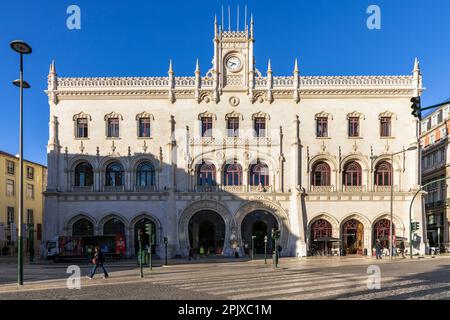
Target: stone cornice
column 283, row 86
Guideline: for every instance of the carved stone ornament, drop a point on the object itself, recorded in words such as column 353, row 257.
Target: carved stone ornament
column 234, row 101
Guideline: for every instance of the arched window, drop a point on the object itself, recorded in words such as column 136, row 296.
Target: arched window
column 352, row 174
column 83, row 227
column 84, row 176
column 113, row 227
column 321, row 174
column 259, row 175
column 206, row 175
column 232, row 175
column 321, row 229
column 381, row 231
column 114, row 174
column 383, row 174
column 145, row 174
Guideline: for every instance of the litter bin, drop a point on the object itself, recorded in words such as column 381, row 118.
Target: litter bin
column 365, row 252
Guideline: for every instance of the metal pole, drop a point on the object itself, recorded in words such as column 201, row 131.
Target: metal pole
column 391, row 236
column 20, row 235
column 166, row 252
column 140, row 258
column 439, row 239
column 265, row 250
column 150, row 249
column 252, row 246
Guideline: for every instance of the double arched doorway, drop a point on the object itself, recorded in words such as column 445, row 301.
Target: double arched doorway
column 258, row 224
column 206, row 233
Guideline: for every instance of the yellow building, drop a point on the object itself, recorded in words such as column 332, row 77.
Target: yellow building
column 35, row 182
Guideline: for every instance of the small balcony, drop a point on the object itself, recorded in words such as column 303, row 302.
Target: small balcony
column 260, row 189
column 322, row 189
column 145, row 188
column 206, row 188
column 82, row 189
column 234, row 189
column 114, row 188
column 354, row 189
column 385, row 188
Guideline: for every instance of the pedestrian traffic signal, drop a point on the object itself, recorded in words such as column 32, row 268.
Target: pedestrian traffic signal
column 416, row 112
column 148, row 229
column 141, row 235
column 415, row 226
column 276, row 234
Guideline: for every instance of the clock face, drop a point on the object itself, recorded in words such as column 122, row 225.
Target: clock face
column 234, row 63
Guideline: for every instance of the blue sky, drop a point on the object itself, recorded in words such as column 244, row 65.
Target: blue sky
column 137, row 38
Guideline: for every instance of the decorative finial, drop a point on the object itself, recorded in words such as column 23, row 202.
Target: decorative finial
column 197, row 67
column 52, row 67
column 170, row 67
column 296, row 66
column 416, row 66
column 269, row 67
column 251, row 25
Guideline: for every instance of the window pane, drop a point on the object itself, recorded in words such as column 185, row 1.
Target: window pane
column 260, row 127
column 206, row 127
column 144, row 127
column 353, row 127
column 113, row 127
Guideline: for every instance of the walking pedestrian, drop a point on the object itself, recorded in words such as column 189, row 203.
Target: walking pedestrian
column 402, row 249
column 98, row 260
column 378, row 249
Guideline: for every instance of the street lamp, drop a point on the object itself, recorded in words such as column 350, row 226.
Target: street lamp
column 22, row 48
column 391, row 233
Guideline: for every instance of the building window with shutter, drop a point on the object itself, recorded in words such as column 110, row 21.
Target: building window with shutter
column 30, row 173
column 10, row 167
column 30, row 191
column 10, row 188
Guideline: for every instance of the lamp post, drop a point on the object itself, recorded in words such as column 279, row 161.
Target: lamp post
column 166, row 241
column 253, row 244
column 22, row 48
column 391, row 233
column 265, row 249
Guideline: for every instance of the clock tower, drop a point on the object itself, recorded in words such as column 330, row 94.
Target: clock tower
column 233, row 59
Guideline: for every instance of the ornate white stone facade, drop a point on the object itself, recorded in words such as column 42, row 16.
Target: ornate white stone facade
column 289, row 147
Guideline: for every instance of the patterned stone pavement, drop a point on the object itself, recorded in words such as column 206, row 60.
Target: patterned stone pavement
column 295, row 279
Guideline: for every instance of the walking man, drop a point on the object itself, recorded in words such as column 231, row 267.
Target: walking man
column 98, row 261
column 378, row 249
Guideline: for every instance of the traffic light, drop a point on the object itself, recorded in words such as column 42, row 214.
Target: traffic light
column 415, row 226
column 276, row 234
column 416, row 112
column 141, row 235
column 148, row 229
